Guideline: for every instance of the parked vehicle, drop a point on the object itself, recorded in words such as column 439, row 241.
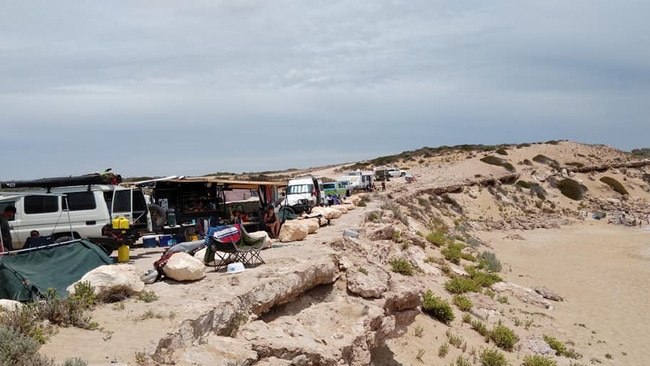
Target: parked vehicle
column 338, row 189
column 57, row 209
column 395, row 173
column 359, row 180
column 308, row 188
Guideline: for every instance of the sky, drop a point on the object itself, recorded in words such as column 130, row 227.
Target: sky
column 157, row 88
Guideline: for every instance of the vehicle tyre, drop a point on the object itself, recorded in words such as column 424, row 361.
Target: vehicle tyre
column 62, row 239
column 402, row 174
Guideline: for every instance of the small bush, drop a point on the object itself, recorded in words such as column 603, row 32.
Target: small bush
column 19, row 349
column 547, row 161
column 437, row 307
column 614, row 184
column 452, row 253
column 489, row 262
column 493, row 160
column 503, row 337
column 523, row 184
column 492, row 357
column 463, row 302
column 147, row 296
column 480, row 327
column 556, row 345
column 461, row 285
column 571, row 189
column 443, row 350
column 576, row 164
column 401, row 266
column 437, row 238
column 537, row 360
column 501, row 151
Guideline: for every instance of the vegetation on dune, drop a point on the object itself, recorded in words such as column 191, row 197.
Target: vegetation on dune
column 571, row 189
column 614, row 184
column 493, row 160
column 546, row 161
column 437, row 308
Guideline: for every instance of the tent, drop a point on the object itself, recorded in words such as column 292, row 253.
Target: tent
column 27, row 274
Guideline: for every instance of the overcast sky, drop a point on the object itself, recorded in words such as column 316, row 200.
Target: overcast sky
column 152, row 88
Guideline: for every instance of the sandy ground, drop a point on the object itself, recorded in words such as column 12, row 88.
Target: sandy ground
column 601, row 270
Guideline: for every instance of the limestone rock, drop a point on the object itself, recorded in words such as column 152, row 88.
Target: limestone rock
column 524, row 294
column 9, row 305
column 108, row 280
column 368, row 281
column 548, row 294
column 184, row 267
column 293, row 230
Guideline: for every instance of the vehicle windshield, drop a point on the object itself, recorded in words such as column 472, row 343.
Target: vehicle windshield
column 329, row 186
column 300, row 188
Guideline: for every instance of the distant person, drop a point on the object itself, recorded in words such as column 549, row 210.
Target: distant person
column 272, row 222
column 7, row 214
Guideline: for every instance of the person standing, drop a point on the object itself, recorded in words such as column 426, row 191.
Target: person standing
column 8, row 213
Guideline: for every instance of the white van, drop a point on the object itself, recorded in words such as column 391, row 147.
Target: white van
column 74, row 211
column 359, row 180
column 309, row 188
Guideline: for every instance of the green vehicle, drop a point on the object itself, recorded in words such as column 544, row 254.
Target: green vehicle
column 335, row 189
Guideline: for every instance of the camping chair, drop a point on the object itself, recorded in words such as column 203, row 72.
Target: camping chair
column 231, row 243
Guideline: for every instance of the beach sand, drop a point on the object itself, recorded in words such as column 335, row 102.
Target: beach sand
column 602, row 271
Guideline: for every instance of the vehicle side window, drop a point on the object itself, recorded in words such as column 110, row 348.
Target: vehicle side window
column 41, row 204
column 122, row 201
column 78, row 201
column 5, row 204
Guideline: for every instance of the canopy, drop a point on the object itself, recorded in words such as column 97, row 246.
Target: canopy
column 26, row 274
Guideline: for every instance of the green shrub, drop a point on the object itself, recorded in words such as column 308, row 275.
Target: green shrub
column 493, row 160
column 373, row 216
column 523, row 184
column 461, row 285
column 463, row 302
column 486, row 279
column 571, row 189
column 437, row 308
column 19, row 349
column 452, row 253
column 547, row 161
column 462, row 361
column 614, row 184
column 437, row 238
column 492, row 357
column 503, row 337
column 489, row 262
column 556, row 345
column 401, row 266
column 537, row 360
column 480, row 327
column 501, row 151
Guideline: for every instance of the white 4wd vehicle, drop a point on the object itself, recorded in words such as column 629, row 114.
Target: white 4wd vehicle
column 395, row 173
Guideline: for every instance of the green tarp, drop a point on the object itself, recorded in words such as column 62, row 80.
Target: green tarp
column 25, row 275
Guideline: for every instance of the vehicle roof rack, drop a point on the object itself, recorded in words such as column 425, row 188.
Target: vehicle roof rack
column 79, row 180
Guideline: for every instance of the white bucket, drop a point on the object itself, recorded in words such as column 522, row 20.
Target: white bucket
column 236, row 267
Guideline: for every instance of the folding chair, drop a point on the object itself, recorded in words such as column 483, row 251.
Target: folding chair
column 231, row 243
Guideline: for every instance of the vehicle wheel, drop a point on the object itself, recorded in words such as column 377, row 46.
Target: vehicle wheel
column 402, row 174
column 61, row 239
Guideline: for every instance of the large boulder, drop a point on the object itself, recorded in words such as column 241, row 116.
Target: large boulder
column 293, row 230
column 113, row 280
column 184, row 267
column 327, row 212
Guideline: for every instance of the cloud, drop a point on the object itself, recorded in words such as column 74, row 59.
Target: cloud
column 168, row 87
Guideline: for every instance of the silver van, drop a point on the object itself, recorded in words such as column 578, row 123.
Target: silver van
column 74, row 211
